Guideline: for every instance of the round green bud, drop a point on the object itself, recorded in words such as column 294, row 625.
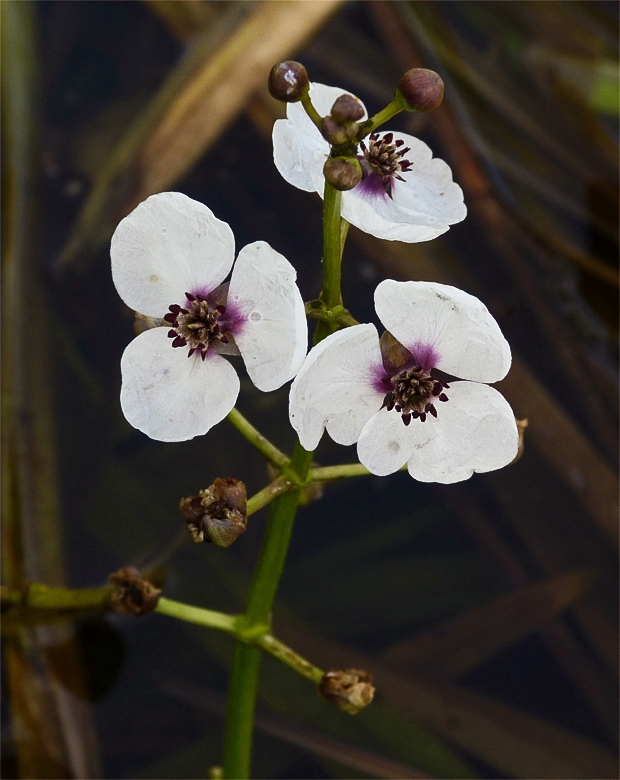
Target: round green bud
column 343, row 173
column 288, row 81
column 420, row 90
column 347, row 109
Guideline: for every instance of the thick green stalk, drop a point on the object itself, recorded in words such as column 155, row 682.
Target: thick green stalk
column 332, row 247
column 240, row 712
column 255, row 623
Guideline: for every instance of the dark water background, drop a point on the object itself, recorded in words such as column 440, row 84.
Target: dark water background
column 376, row 561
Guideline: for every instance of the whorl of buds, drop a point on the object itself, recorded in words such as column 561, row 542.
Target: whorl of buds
column 341, row 125
column 132, row 594
column 288, row 81
column 343, row 173
column 420, row 90
column 217, row 514
column 349, row 689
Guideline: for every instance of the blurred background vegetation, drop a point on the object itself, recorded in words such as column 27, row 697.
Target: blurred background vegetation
column 486, row 610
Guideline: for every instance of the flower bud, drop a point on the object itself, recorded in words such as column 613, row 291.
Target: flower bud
column 343, row 173
column 132, row 594
column 349, row 689
column 420, row 90
column 288, row 81
column 347, row 109
column 332, row 132
column 217, row 514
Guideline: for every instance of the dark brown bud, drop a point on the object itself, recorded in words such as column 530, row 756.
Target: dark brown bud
column 343, row 173
column 288, row 81
column 132, row 594
column 420, row 90
column 217, row 514
column 347, row 109
column 349, row 689
column 332, row 132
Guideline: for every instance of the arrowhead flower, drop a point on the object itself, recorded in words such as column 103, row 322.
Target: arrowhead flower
column 388, row 396
column 170, row 257
column 404, row 195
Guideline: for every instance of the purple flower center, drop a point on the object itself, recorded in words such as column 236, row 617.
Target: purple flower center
column 412, row 390
column 413, row 393
column 202, row 323
column 381, row 163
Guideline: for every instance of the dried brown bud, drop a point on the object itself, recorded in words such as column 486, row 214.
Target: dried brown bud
column 347, row 109
column 288, row 81
column 217, row 514
column 420, row 90
column 132, row 594
column 343, row 173
column 349, row 689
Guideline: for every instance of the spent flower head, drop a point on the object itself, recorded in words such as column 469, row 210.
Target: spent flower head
column 391, row 395
column 170, row 258
column 404, row 193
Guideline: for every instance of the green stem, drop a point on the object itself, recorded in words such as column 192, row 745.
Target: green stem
column 380, row 118
column 289, row 657
column 311, row 110
column 332, row 247
column 240, row 712
column 254, row 624
column 262, row 444
column 198, row 615
column 275, row 545
column 268, row 494
column 325, row 473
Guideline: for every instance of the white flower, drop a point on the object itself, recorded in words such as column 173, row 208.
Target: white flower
column 169, row 259
column 407, row 195
column 386, row 395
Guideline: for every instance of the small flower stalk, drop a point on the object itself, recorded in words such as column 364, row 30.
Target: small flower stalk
column 349, row 689
column 218, row 514
column 132, row 594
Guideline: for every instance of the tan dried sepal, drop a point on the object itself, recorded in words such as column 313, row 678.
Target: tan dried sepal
column 218, row 514
column 349, row 689
column 132, row 594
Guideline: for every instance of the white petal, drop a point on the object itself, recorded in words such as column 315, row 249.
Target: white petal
column 169, row 245
column 458, row 326
column 421, row 208
column 169, row 396
column 475, row 431
column 428, row 187
column 335, row 387
column 272, row 334
column 299, row 150
column 385, row 219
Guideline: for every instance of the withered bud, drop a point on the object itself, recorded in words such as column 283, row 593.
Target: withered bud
column 217, row 514
column 132, row 594
column 288, row 81
column 349, row 689
column 420, row 90
column 343, row 173
column 347, row 109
